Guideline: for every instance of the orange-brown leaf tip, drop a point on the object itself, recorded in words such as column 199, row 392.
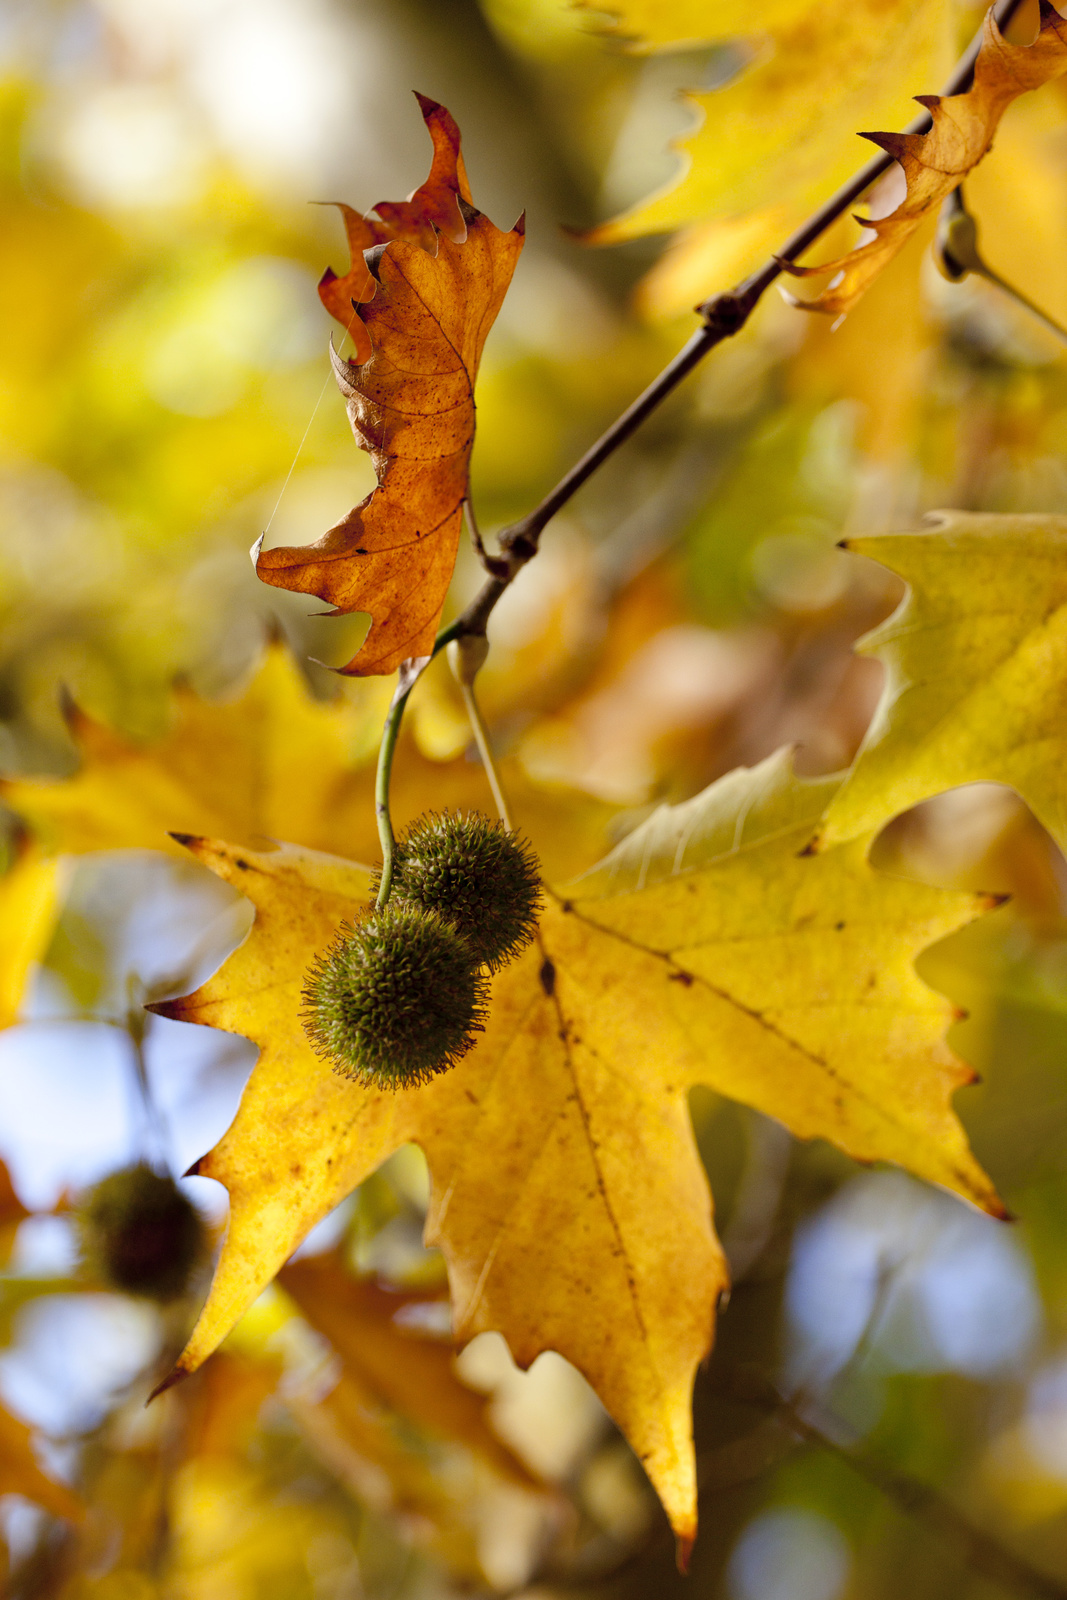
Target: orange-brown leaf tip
column 844, row 544
column 426, row 105
column 520, row 226
column 683, row 1549
column 990, row 902
column 187, row 839
column 165, row 1008
column 194, row 1170
column 960, row 1014
column 175, row 1375
column 329, row 276
column 810, row 849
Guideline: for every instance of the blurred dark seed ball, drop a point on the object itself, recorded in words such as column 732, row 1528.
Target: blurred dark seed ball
column 140, row 1234
column 395, row 999
column 478, row 876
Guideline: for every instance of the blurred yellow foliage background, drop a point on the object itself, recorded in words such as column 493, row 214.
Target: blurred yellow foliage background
column 164, row 399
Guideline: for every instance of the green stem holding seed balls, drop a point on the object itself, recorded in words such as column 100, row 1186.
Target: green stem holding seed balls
column 390, row 733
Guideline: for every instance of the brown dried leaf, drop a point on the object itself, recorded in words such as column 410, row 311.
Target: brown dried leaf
column 428, row 277
column 935, row 163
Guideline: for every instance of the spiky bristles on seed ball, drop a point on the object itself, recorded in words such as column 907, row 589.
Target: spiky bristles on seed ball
column 477, row 875
column 140, row 1234
column 395, row 999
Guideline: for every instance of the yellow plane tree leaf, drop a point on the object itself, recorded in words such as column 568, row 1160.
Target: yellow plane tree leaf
column 976, row 671
column 426, row 283
column 567, row 1193
column 403, row 1368
column 272, row 762
column 935, row 163
column 776, row 139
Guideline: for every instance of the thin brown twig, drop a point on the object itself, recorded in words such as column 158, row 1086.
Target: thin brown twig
column 723, row 316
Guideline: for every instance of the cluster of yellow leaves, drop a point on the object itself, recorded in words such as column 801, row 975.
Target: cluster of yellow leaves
column 711, row 947
column 935, row 163
column 427, row 279
column 769, row 147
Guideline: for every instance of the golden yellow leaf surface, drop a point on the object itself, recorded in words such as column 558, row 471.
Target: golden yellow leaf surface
column 30, row 895
column 935, row 163
column 425, row 286
column 567, row 1193
column 777, row 137
column 675, row 24
column 976, row 671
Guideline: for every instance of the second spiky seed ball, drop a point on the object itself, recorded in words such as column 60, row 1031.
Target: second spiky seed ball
column 476, row 874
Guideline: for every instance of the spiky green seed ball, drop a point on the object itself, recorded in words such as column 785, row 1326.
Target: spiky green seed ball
column 475, row 874
column 395, row 999
column 140, row 1234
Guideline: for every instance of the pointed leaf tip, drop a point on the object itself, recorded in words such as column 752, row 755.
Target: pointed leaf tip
column 175, row 1375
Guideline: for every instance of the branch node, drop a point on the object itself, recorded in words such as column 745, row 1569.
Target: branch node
column 726, row 314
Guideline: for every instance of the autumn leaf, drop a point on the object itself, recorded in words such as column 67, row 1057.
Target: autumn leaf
column 935, row 163
column 401, row 1368
column 398, row 1425
column 976, row 671
column 567, row 1193
column 21, row 1474
column 270, row 762
column 776, row 137
column 224, row 1407
column 433, row 208
column 421, row 303
column 31, row 892
column 12, row 1213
